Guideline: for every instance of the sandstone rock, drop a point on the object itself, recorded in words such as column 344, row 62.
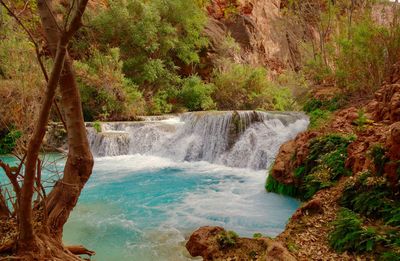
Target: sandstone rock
column 203, row 242
column 200, row 242
column 291, row 155
column 258, row 28
column 388, row 107
column 312, row 207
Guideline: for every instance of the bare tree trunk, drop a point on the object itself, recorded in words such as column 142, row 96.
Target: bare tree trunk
column 26, row 236
column 80, row 162
column 78, row 168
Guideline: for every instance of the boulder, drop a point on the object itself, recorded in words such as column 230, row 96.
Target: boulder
column 204, row 242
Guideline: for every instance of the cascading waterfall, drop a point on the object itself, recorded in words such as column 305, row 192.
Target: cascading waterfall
column 244, row 139
column 157, row 180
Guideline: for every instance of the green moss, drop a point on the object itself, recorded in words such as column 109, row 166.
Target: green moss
column 275, row 186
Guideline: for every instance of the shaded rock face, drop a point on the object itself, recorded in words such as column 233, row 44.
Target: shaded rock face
column 259, row 29
column 204, row 242
column 386, row 106
column 291, row 155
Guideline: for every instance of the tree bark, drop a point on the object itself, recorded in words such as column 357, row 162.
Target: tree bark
column 4, row 211
column 78, row 168
column 26, row 236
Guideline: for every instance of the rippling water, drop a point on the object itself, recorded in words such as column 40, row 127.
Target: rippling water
column 142, row 207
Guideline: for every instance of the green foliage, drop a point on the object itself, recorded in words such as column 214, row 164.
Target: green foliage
column 357, row 57
column 392, row 215
column 373, row 197
column 317, row 70
column 390, row 256
column 324, row 165
column 227, row 239
column 320, row 110
column 367, row 48
column 97, row 126
column 272, row 185
column 257, row 235
column 8, row 141
column 155, row 37
column 350, row 235
column 244, row 87
column 330, row 149
column 299, row 172
column 316, row 181
column 378, row 155
column 318, row 118
column 196, row 95
column 361, row 120
column 105, row 92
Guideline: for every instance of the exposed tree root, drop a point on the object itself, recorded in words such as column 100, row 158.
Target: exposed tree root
column 80, row 250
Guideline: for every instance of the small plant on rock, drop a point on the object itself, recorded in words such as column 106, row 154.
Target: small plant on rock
column 227, row 239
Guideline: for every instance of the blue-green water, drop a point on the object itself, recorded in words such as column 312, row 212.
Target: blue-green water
column 143, row 207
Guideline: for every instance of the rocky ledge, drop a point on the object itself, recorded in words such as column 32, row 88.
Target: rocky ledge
column 215, row 243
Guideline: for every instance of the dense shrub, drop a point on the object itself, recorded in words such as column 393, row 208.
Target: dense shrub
column 195, row 95
column 105, row 92
column 377, row 204
column 368, row 48
column 355, row 56
column 320, row 110
column 227, row 239
column 155, row 37
column 8, row 140
column 246, row 88
column 350, row 235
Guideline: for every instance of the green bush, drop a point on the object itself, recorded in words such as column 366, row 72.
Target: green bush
column 361, row 120
column 350, row 235
column 161, row 102
column 324, row 165
column 97, row 126
column 257, row 235
column 155, row 38
column 378, row 155
column 196, row 95
column 243, row 87
column 318, row 118
column 368, row 48
column 8, row 141
column 227, row 239
column 105, row 92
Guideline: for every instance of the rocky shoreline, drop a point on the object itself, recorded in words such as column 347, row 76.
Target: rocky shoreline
column 306, row 236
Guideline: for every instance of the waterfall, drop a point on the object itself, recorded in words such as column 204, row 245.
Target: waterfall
column 244, row 139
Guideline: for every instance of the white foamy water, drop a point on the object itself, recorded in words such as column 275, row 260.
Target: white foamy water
column 246, row 140
column 156, row 181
